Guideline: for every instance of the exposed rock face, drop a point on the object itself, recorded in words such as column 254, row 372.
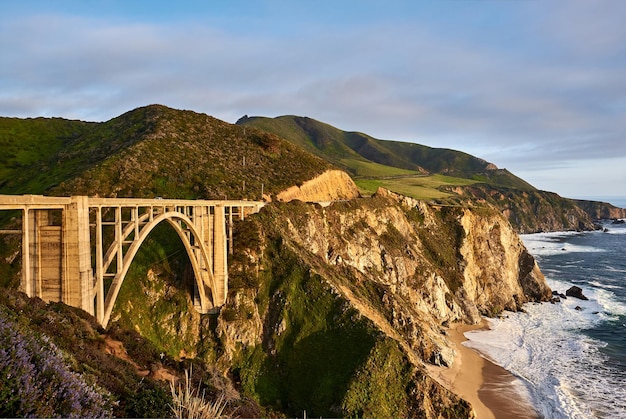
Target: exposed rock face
column 530, row 211
column 499, row 272
column 601, row 210
column 389, row 269
column 331, row 185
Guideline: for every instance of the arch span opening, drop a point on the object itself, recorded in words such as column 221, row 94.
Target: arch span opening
column 196, row 251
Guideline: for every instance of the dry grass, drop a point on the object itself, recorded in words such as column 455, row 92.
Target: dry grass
column 189, row 402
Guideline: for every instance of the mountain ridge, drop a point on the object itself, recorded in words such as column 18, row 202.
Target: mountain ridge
column 336, row 146
column 159, row 151
column 442, row 175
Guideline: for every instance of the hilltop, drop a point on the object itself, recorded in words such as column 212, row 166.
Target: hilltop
column 147, row 152
column 445, row 176
column 368, row 158
column 158, row 151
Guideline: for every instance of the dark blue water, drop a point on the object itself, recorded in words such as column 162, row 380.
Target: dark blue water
column 571, row 356
column 602, row 270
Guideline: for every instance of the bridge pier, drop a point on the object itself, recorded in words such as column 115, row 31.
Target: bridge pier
column 220, row 263
column 78, row 289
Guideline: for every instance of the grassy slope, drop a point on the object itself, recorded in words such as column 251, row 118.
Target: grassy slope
column 407, row 168
column 318, row 353
column 30, row 143
column 147, row 152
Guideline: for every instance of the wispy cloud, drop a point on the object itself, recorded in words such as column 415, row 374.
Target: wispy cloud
column 514, row 82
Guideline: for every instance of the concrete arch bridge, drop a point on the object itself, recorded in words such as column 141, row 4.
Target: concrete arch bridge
column 71, row 246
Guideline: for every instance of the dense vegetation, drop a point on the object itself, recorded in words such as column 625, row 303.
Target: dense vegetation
column 150, row 151
column 59, row 351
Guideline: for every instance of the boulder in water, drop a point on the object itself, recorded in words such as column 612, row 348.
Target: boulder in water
column 576, row 292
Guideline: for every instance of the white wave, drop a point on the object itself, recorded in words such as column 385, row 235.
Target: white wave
column 599, row 284
column 609, row 303
column 613, row 229
column 601, row 306
column 549, row 244
column 615, row 270
column 565, row 373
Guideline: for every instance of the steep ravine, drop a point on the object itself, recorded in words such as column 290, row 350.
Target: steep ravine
column 323, row 298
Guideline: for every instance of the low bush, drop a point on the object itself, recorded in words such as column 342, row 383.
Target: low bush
column 35, row 380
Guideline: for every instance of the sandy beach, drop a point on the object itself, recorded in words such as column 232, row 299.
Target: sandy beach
column 484, row 384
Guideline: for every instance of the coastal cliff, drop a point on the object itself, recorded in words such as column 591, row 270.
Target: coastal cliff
column 352, row 298
column 601, row 210
column 336, row 310
column 530, row 211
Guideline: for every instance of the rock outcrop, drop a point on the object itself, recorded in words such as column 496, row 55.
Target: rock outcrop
column 576, row 292
column 601, row 210
column 529, row 211
column 331, row 185
column 368, row 279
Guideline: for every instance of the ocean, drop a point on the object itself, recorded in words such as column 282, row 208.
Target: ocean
column 570, row 356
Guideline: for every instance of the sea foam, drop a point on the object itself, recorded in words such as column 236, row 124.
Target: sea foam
column 565, row 373
column 548, row 244
column 569, row 355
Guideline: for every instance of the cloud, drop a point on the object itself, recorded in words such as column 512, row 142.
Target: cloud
column 522, row 84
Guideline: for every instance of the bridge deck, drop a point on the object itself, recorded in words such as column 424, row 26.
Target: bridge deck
column 56, row 202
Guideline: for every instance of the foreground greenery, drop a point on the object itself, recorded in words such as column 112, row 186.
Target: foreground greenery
column 72, row 344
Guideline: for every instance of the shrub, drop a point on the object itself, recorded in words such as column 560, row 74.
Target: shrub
column 34, row 380
column 149, row 402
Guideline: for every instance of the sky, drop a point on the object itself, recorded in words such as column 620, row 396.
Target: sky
column 534, row 86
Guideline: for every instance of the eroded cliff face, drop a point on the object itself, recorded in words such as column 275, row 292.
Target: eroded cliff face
column 601, row 210
column 361, row 282
column 529, row 211
column 331, row 185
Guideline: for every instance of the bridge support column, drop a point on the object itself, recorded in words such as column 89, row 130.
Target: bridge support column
column 41, row 256
column 220, row 264
column 31, row 252
column 77, row 285
column 203, row 220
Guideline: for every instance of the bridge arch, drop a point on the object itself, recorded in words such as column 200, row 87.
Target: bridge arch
column 194, row 246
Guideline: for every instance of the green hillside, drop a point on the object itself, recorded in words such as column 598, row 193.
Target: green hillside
column 147, row 152
column 29, row 143
column 407, row 168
